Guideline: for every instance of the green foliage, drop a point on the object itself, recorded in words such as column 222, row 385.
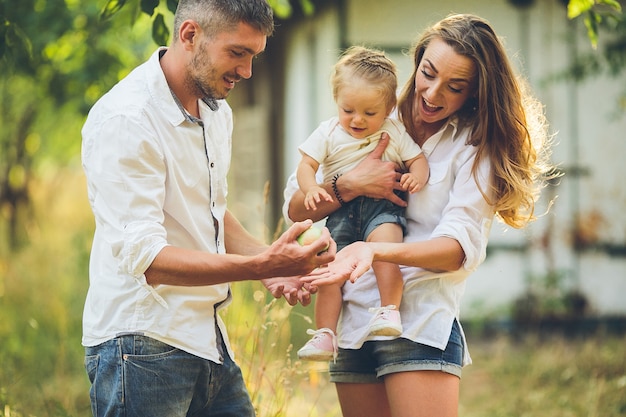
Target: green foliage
column 283, row 9
column 605, row 25
column 594, row 12
column 57, row 57
column 42, row 289
column 150, row 8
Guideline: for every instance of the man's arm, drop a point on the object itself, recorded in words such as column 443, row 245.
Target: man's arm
column 248, row 259
column 240, row 241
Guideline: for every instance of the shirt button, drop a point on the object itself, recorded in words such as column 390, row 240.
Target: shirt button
column 212, row 164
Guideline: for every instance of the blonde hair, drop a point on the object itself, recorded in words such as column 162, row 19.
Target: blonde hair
column 508, row 124
column 370, row 65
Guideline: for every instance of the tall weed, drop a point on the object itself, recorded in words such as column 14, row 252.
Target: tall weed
column 42, row 290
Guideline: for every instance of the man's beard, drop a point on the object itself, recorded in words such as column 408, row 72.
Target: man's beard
column 200, row 73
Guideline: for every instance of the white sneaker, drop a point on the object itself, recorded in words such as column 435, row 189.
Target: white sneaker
column 321, row 347
column 386, row 321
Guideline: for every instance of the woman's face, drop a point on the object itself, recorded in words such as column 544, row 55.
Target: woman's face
column 443, row 82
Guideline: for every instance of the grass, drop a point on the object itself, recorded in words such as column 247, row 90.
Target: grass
column 42, row 289
column 555, row 377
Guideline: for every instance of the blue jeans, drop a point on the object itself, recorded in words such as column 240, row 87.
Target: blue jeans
column 137, row 376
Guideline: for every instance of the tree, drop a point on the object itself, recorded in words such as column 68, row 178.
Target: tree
column 594, row 13
column 601, row 18
column 56, row 58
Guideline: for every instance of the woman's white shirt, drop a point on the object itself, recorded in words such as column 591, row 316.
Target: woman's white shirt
column 451, row 205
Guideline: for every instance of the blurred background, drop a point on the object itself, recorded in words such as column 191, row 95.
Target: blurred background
column 545, row 313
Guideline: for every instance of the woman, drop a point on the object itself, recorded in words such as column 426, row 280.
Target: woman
column 486, row 142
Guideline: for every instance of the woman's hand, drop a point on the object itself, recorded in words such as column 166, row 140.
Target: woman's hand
column 349, row 264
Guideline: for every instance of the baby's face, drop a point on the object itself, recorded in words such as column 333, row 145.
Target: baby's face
column 362, row 109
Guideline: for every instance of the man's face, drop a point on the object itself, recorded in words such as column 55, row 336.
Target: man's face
column 218, row 63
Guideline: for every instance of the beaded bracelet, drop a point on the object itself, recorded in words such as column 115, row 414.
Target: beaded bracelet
column 336, row 190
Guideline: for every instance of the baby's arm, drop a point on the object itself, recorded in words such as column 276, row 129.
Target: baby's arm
column 418, row 174
column 308, row 184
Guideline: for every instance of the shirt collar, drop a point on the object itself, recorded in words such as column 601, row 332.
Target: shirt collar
column 453, row 124
column 159, row 88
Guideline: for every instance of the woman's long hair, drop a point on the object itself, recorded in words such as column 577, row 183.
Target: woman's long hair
column 508, row 123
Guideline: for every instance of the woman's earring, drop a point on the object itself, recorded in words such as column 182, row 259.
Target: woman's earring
column 474, row 104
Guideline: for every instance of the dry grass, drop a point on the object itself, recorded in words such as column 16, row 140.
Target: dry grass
column 42, row 289
column 554, row 377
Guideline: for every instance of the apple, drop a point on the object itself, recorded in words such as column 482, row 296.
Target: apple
column 309, row 236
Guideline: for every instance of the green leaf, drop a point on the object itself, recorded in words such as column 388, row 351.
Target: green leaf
column 591, row 22
column 577, row 7
column 282, row 8
column 160, row 32
column 135, row 12
column 614, row 4
column 110, row 8
column 15, row 38
column 307, row 7
column 172, row 5
column 148, row 6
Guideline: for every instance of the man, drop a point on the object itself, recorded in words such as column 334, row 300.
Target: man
column 156, row 151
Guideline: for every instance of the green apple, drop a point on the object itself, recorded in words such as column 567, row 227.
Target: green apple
column 309, row 236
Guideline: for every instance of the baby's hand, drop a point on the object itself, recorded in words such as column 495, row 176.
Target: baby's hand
column 411, row 183
column 314, row 196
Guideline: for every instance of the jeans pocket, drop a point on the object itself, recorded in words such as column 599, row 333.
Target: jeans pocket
column 91, row 366
column 144, row 347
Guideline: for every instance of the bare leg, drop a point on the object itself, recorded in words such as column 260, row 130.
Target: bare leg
column 323, row 344
column 423, row 394
column 388, row 276
column 404, row 394
column 363, row 400
column 327, row 307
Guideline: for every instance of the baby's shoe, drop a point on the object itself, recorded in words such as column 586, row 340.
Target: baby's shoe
column 321, row 347
column 386, row 321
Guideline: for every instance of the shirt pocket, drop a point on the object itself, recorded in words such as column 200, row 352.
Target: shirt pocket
column 438, row 172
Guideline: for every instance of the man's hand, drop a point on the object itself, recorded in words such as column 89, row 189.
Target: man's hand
column 286, row 257
column 373, row 177
column 291, row 288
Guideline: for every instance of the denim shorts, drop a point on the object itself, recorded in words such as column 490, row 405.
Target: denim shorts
column 137, row 376
column 356, row 219
column 377, row 358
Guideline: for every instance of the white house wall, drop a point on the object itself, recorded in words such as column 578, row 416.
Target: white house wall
column 312, row 51
column 590, row 132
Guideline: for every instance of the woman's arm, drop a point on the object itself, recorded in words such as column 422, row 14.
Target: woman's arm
column 439, row 254
column 372, row 178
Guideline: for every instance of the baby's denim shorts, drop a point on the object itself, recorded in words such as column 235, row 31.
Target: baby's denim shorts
column 356, row 219
column 377, row 358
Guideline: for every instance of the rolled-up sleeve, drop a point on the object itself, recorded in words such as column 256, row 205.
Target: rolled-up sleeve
column 468, row 216
column 126, row 182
